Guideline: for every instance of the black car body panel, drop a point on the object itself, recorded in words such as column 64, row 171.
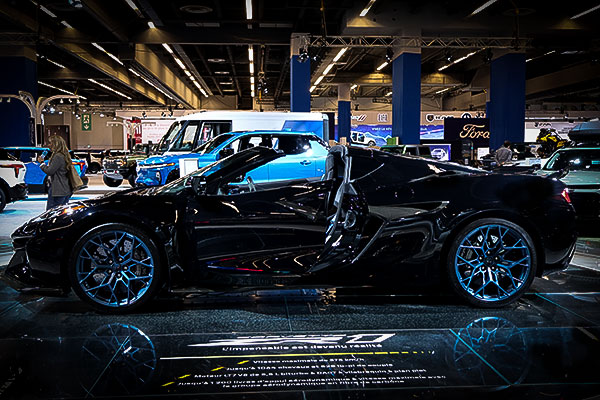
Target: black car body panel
column 401, row 215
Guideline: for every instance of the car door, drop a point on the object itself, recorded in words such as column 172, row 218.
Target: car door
column 242, row 236
column 298, row 163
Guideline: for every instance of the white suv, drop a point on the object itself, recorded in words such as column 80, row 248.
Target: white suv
column 12, row 179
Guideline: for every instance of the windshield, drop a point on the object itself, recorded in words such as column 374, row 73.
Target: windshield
column 209, row 146
column 169, row 137
column 242, row 161
column 575, row 160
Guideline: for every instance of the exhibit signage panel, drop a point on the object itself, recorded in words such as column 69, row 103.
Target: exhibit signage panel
column 86, row 122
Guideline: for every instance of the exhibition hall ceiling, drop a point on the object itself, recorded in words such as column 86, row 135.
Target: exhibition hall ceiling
column 157, row 52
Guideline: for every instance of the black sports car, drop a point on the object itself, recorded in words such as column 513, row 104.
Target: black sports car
column 375, row 219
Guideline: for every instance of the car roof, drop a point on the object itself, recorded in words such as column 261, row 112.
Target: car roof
column 239, row 133
column 25, row 148
column 579, row 148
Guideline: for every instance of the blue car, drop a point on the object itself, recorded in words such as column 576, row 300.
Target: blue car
column 305, row 156
column 35, row 178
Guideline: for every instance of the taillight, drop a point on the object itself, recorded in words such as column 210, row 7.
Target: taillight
column 565, row 195
column 16, row 167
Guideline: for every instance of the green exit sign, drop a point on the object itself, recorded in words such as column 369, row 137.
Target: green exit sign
column 86, row 122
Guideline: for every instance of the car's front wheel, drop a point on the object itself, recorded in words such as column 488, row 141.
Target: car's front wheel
column 115, row 268
column 111, row 182
column 3, row 199
column 492, row 262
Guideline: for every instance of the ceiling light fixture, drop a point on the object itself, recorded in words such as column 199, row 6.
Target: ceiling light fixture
column 96, row 45
column 59, row 89
column 201, row 89
column 545, row 54
column 353, row 86
column 167, row 47
column 248, row 9
column 50, row 13
column 367, row 8
column 188, row 73
column 339, row 54
column 586, row 12
column 151, row 25
column 388, row 93
column 382, row 66
column 65, row 23
column 55, row 63
column 326, row 71
column 132, row 5
column 483, row 7
column 313, row 87
column 109, row 88
column 134, row 72
column 180, row 63
column 319, row 79
column 442, row 91
column 458, row 60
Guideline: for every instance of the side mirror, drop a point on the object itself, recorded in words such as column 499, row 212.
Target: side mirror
column 199, row 184
column 226, row 152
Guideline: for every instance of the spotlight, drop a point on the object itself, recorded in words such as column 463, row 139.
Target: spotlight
column 144, row 114
column 389, row 54
column 8, row 99
column 303, row 55
column 61, row 101
column 449, row 56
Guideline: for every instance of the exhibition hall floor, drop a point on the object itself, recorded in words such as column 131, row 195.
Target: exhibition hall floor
column 305, row 344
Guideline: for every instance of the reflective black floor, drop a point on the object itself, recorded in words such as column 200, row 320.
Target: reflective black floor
column 308, row 345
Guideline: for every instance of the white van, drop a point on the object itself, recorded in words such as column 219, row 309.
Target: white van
column 190, row 131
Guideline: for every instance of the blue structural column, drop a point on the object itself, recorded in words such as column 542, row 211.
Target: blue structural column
column 17, row 73
column 299, row 84
column 344, row 117
column 507, row 96
column 406, row 97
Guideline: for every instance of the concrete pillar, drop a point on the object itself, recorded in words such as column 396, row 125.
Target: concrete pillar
column 406, row 95
column 507, row 97
column 344, row 111
column 299, row 76
column 18, row 72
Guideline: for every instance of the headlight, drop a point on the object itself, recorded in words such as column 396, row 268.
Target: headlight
column 156, row 165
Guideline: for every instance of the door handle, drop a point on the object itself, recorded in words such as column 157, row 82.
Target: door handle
column 305, row 162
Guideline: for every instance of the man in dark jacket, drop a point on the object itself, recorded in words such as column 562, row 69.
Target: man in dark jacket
column 503, row 154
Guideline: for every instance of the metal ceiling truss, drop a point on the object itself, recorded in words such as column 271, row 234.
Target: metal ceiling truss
column 419, row 42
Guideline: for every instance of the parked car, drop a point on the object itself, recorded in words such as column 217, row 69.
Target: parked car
column 36, row 180
column 120, row 166
column 366, row 138
column 12, row 179
column 305, row 156
column 93, row 159
column 420, row 150
column 375, row 219
column 578, row 166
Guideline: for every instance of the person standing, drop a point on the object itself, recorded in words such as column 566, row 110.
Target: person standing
column 60, row 190
column 503, row 154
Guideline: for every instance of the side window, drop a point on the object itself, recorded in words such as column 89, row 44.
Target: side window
column 28, row 156
column 410, row 150
column 293, row 145
column 317, row 147
column 188, row 136
column 210, row 129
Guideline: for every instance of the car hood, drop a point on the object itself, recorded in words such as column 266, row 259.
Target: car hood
column 579, row 178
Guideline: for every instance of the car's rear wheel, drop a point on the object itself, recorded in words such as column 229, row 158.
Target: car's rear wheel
column 111, row 182
column 3, row 199
column 94, row 168
column 115, row 268
column 492, row 262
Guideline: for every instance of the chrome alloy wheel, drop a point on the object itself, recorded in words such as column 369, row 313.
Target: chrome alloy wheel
column 492, row 262
column 114, row 268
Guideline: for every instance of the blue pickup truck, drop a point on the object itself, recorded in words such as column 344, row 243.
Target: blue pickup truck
column 305, row 156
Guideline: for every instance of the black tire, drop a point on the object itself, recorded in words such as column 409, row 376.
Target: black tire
column 114, row 268
column 94, row 168
column 131, row 179
column 173, row 175
column 46, row 185
column 111, row 182
column 3, row 199
column 472, row 265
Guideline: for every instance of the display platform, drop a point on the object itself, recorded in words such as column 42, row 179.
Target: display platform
column 305, row 344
